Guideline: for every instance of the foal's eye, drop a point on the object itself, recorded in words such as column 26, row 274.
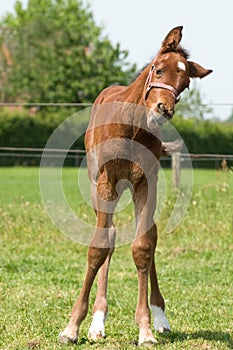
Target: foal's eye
column 159, row 71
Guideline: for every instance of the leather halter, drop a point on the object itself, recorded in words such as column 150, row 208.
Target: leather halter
column 155, row 84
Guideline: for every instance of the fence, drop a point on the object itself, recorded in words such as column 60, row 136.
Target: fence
column 77, row 158
column 74, row 156
column 220, row 161
column 77, row 155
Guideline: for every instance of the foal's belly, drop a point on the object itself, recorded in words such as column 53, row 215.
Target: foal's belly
column 121, row 169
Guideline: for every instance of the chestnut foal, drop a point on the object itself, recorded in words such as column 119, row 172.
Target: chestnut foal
column 124, row 146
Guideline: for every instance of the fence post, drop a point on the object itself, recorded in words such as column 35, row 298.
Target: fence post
column 173, row 149
column 176, row 169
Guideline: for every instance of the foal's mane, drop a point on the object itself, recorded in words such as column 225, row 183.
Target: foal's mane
column 182, row 51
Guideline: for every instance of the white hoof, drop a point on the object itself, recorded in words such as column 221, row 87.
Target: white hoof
column 146, row 338
column 97, row 329
column 68, row 336
column 161, row 323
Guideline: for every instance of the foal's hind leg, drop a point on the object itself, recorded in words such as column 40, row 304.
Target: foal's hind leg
column 100, row 308
column 157, row 304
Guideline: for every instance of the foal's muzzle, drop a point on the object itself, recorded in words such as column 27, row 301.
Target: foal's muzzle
column 164, row 111
column 156, row 119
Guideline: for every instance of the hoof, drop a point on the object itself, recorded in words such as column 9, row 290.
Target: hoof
column 95, row 336
column 147, row 343
column 163, row 330
column 96, row 330
column 66, row 338
column 146, row 338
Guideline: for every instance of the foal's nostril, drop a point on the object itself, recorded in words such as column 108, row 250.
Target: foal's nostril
column 165, row 110
column 161, row 107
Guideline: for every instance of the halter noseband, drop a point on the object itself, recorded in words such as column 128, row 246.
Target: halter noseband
column 162, row 86
column 155, row 84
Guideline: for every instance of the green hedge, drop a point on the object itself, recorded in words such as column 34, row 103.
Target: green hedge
column 21, row 129
column 204, row 136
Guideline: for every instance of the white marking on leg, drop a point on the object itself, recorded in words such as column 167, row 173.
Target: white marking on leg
column 161, row 323
column 181, row 66
column 97, row 330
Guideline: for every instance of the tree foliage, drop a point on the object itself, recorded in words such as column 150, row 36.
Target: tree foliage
column 230, row 119
column 53, row 51
column 191, row 105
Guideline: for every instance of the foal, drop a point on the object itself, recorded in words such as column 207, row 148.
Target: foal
column 123, row 145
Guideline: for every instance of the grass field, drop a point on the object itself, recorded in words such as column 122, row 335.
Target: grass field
column 41, row 270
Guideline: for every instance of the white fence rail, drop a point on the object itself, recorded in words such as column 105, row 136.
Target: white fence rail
column 32, row 151
column 78, row 154
column 73, row 153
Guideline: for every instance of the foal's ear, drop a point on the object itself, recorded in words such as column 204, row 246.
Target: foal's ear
column 197, row 71
column 172, row 40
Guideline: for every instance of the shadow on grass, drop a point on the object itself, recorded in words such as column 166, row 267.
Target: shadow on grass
column 222, row 337
column 166, row 338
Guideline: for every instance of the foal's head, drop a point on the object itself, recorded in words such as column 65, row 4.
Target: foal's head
column 169, row 74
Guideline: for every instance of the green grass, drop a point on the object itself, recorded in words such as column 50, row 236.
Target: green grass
column 41, row 271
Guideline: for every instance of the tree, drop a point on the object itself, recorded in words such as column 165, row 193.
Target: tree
column 58, row 54
column 191, row 105
column 230, row 119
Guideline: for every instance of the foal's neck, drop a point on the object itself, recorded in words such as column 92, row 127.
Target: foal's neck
column 136, row 88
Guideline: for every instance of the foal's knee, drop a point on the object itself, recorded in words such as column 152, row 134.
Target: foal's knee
column 142, row 252
column 97, row 256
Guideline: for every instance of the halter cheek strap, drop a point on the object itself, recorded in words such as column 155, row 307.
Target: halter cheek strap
column 149, row 85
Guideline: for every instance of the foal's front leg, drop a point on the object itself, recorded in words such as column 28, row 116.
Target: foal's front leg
column 99, row 249
column 97, row 254
column 157, row 303
column 100, row 308
column 96, row 257
column 142, row 254
column 142, row 249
